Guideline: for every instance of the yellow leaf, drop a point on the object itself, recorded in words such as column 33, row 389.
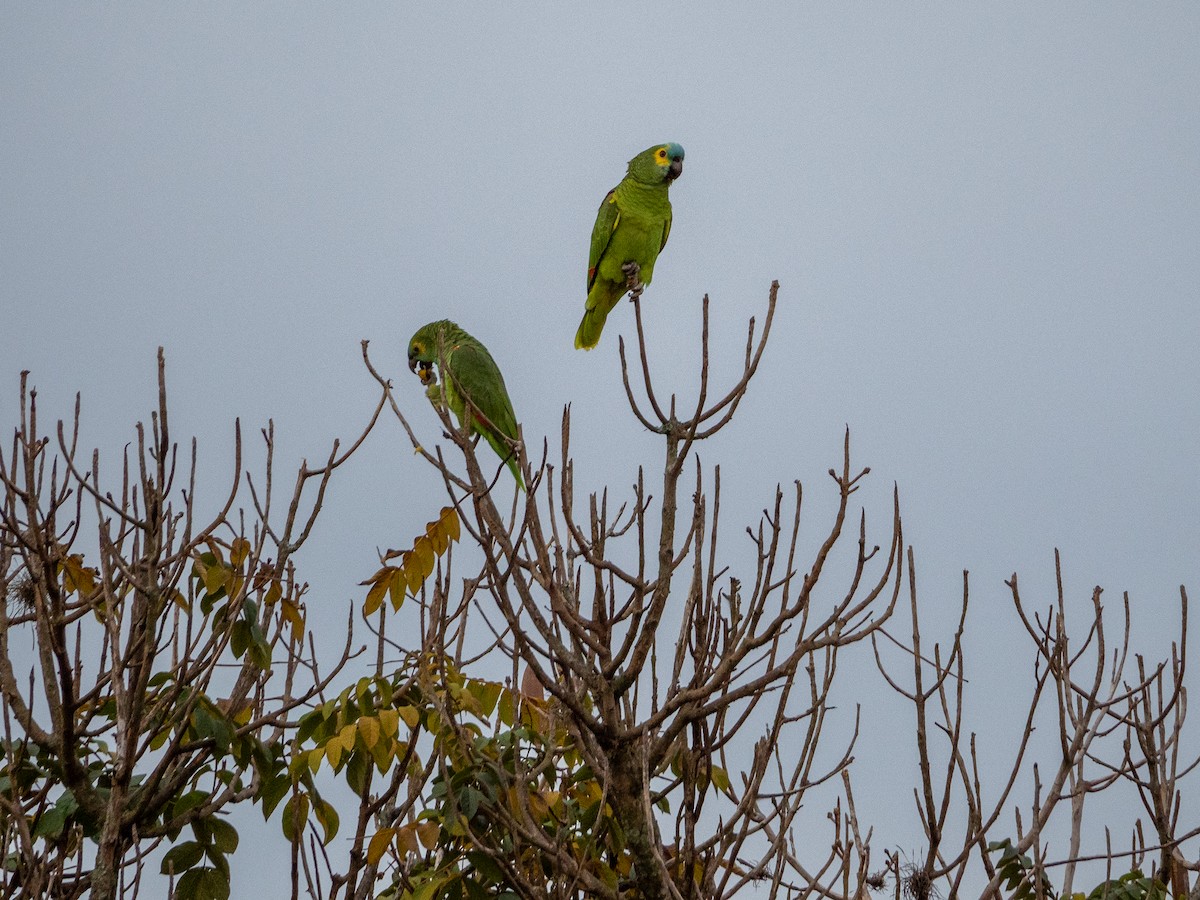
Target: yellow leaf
column 437, row 537
column 381, row 573
column 274, row 592
column 240, row 713
column 379, row 843
column 432, row 888
column 375, row 597
column 78, row 578
column 314, row 758
column 397, row 586
column 412, row 572
column 215, row 549
column 390, row 720
column 362, row 687
column 537, row 807
column 333, row 752
column 423, row 551
column 486, row 692
column 239, row 550
column 428, row 833
column 406, row 839
column 215, row 577
column 348, row 735
column 449, row 522
column 588, row 793
column 291, row 614
column 368, row 727
column 410, row 714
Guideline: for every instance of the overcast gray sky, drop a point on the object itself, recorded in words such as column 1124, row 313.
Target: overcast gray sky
column 985, row 222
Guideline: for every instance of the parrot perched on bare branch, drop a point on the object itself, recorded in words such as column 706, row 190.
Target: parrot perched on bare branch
column 473, row 386
column 631, row 228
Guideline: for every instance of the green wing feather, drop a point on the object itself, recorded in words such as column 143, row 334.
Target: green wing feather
column 602, row 232
column 476, row 378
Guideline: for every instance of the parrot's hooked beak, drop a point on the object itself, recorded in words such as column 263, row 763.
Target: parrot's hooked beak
column 675, row 169
column 424, row 371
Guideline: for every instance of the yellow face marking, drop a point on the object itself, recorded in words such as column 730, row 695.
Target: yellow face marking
column 661, row 156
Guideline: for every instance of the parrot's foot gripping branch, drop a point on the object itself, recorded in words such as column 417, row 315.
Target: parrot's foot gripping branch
column 633, row 279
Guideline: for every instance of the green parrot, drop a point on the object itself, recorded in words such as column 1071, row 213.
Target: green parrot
column 474, row 387
column 631, row 228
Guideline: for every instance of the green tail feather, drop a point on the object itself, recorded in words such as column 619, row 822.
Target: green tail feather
column 600, row 302
column 588, row 334
column 516, row 470
column 508, row 455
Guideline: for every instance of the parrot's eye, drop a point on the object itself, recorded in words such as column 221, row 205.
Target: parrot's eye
column 662, row 153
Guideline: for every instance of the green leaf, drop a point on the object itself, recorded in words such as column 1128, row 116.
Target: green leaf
column 468, row 801
column 720, row 778
column 67, row 803
column 260, row 650
column 224, row 835
column 508, row 709
column 295, row 816
column 486, row 692
column 202, row 884
column 181, row 857
column 357, row 768
column 431, row 888
column 239, row 638
column 271, row 791
column 214, row 727
column 486, row 866
column 328, row 818
column 475, row 889
column 51, row 824
column 187, row 802
column 309, row 723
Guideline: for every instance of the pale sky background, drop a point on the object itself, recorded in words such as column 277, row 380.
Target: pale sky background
column 985, row 221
